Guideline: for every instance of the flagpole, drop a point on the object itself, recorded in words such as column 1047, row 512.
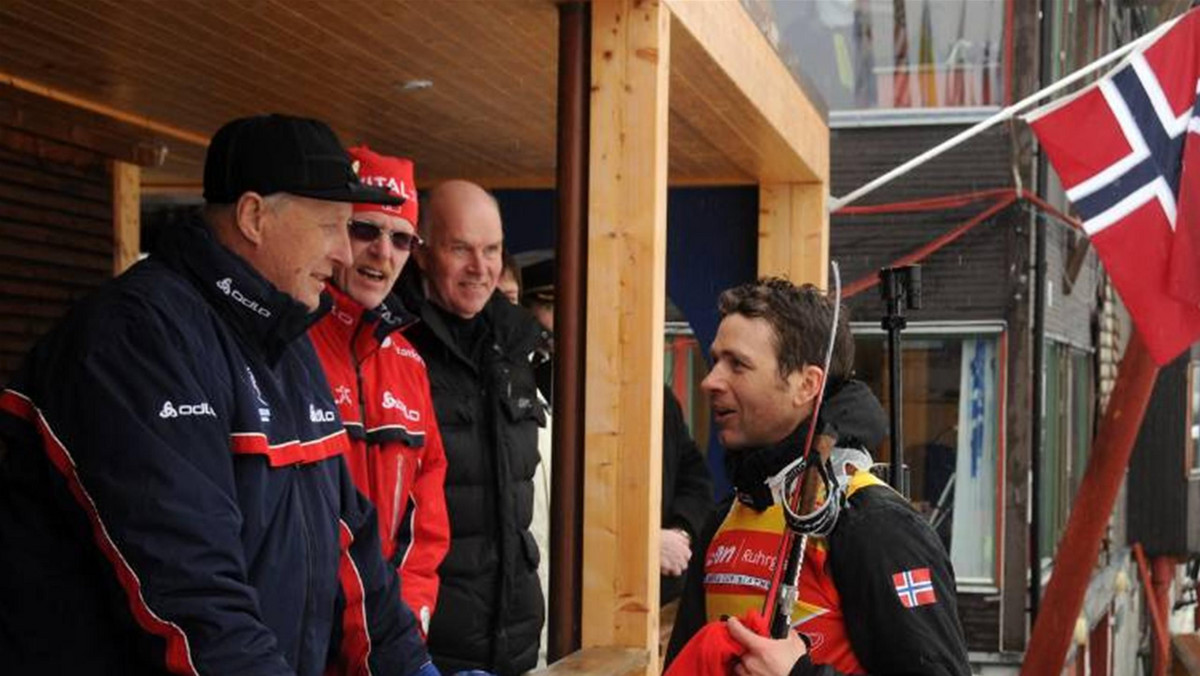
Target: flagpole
column 836, row 203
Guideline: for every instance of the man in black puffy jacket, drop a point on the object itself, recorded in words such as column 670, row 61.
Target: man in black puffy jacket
column 477, row 345
column 173, row 499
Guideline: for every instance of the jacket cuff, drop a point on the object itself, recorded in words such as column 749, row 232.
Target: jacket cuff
column 679, row 523
column 802, row 667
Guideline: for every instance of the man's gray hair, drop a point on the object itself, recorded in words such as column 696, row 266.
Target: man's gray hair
column 216, row 213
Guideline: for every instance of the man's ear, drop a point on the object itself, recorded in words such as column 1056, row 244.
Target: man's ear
column 250, row 214
column 419, row 254
column 806, row 383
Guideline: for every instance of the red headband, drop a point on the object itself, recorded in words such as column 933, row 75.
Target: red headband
column 394, row 174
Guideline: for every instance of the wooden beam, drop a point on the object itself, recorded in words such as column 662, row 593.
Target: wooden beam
column 626, row 302
column 790, row 133
column 153, row 126
column 126, row 214
column 181, row 189
column 48, row 150
column 598, row 662
column 793, row 232
column 80, row 127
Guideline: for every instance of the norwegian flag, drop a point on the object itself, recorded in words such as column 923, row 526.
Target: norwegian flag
column 1128, row 153
column 914, row 587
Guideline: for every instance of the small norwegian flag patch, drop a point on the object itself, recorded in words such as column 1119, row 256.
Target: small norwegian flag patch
column 914, row 587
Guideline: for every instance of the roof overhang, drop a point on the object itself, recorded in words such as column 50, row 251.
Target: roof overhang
column 150, row 80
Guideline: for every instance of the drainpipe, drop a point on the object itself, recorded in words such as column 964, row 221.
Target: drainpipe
column 570, row 283
column 1038, row 405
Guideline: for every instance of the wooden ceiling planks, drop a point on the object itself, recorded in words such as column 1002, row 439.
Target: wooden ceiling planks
column 694, row 159
column 114, row 63
column 490, row 115
column 699, row 84
column 756, row 94
column 483, row 124
column 482, row 105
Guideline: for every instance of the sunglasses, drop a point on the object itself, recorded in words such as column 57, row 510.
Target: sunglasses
column 365, row 231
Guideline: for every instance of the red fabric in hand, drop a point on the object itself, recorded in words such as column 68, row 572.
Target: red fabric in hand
column 712, row 651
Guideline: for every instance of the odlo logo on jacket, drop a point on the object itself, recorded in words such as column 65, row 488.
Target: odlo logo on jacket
column 169, row 410
column 226, row 287
column 317, row 415
column 390, row 401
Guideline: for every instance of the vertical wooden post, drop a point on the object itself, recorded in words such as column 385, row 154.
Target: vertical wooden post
column 126, row 210
column 793, row 232
column 625, row 289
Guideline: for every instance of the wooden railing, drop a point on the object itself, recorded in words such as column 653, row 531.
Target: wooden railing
column 598, row 662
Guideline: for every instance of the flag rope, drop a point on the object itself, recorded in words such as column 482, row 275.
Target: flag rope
column 1004, row 197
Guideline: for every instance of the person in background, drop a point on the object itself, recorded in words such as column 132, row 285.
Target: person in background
column 509, row 283
column 540, row 525
column 381, row 388
column 537, row 295
column 537, row 290
column 687, row 498
column 173, row 496
column 477, row 347
column 687, row 492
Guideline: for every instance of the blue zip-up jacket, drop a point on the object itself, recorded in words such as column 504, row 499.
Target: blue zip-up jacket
column 172, row 496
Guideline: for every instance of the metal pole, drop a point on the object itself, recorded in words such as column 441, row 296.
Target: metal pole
column 896, row 390
column 1035, row 423
column 900, row 287
column 1038, row 396
column 570, row 283
column 1155, row 605
column 1107, row 462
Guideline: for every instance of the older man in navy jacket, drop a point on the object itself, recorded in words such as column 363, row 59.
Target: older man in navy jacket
column 173, row 499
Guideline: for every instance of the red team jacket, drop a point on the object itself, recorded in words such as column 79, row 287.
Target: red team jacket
column 381, row 389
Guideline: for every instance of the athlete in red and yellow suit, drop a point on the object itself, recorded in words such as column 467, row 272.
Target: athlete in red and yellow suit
column 738, row 567
column 857, row 618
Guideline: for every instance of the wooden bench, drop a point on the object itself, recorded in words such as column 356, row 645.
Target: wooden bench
column 598, row 662
column 1185, row 649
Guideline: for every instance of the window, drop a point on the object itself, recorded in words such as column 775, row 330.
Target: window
column 1067, row 416
column 870, row 54
column 953, row 380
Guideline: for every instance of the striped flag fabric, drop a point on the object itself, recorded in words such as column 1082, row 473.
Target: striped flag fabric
column 1127, row 149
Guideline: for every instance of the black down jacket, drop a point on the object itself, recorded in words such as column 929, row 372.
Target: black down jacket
column 489, row 612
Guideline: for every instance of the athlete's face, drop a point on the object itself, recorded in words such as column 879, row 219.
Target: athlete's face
column 752, row 404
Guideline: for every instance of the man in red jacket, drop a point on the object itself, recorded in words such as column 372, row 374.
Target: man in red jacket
column 381, row 388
